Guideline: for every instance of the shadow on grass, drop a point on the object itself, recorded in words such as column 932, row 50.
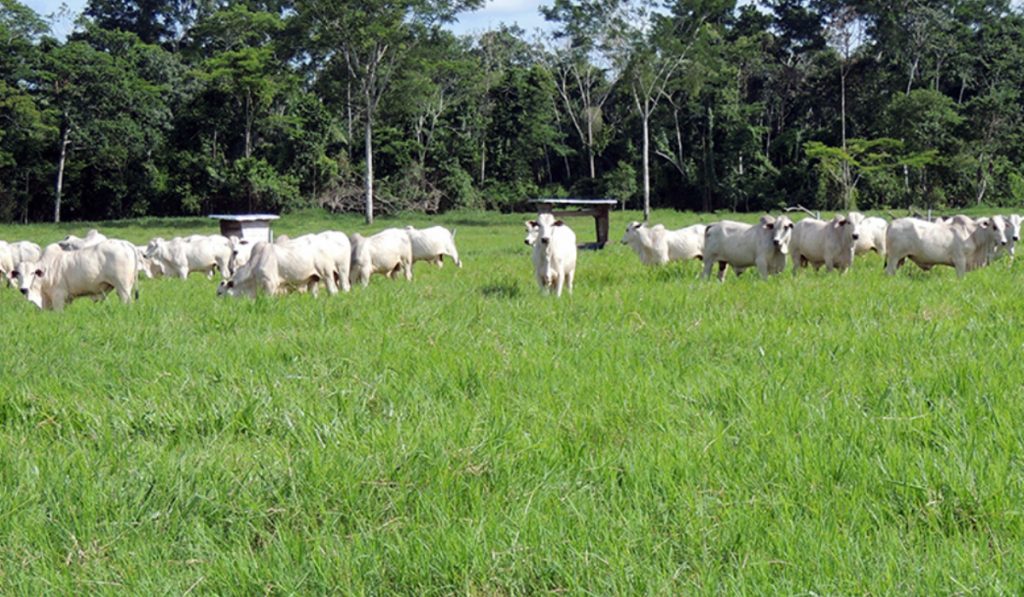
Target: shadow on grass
column 506, row 291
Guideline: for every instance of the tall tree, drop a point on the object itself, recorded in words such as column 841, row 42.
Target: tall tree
column 369, row 38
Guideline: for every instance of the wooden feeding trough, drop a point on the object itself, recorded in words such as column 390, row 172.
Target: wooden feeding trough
column 598, row 208
column 251, row 227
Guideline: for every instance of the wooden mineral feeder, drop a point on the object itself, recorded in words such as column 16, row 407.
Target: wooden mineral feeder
column 251, row 227
column 598, row 208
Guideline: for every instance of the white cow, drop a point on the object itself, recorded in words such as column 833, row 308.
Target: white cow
column 830, row 243
column 73, row 243
column 179, row 257
column 335, row 244
column 147, row 266
column 872, row 234
column 1012, row 225
column 275, row 269
column 60, row 276
column 1012, row 233
column 657, row 246
column 432, row 244
column 740, row 245
column 554, row 253
column 387, row 252
column 11, row 254
column 241, row 249
column 958, row 242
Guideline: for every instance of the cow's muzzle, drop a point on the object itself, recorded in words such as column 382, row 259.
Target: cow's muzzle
column 24, row 291
column 856, row 237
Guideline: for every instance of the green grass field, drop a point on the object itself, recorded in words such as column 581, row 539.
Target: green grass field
column 465, row 434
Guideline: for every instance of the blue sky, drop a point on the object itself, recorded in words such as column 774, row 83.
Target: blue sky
column 522, row 12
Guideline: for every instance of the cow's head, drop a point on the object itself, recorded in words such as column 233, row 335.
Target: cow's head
column 1013, row 227
column 154, row 246
column 780, row 229
column 532, row 230
column 546, row 226
column 241, row 252
column 227, row 287
column 848, row 225
column 996, row 227
column 28, row 278
column 632, row 231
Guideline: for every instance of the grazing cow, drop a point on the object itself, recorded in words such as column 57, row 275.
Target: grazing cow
column 387, row 252
column 241, row 249
column 432, row 244
column 739, row 245
column 958, row 242
column 60, row 276
column 179, row 257
column 1011, row 224
column 275, row 269
column 817, row 242
column 335, row 244
column 11, row 254
column 1012, row 233
column 554, row 253
column 73, row 243
column 657, row 246
column 147, row 266
column 872, row 234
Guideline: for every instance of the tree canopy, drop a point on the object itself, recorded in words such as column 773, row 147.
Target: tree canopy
column 175, row 107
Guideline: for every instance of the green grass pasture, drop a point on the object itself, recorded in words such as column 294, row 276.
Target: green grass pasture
column 465, row 434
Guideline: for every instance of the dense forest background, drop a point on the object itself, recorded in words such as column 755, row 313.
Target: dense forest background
column 171, row 107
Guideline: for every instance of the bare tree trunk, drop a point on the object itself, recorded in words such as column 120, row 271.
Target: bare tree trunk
column 65, row 140
column 248, row 125
column 646, row 165
column 369, row 167
column 483, row 161
column 590, row 146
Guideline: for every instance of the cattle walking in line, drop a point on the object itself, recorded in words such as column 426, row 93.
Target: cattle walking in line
column 655, row 245
column 60, row 276
column 275, row 269
column 830, row 243
column 179, row 257
column 433, row 244
column 872, row 234
column 959, row 242
column 763, row 245
column 336, row 245
column 554, row 253
column 387, row 253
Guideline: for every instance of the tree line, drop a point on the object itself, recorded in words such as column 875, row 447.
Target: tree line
column 176, row 107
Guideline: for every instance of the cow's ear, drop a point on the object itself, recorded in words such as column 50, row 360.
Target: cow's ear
column 13, row 274
column 532, row 223
column 559, row 223
column 769, row 225
column 984, row 223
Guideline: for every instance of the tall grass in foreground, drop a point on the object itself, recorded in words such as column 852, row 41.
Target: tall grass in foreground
column 465, row 434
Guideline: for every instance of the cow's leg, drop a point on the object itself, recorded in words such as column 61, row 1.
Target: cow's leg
column 960, row 263
column 332, row 287
column 407, row 269
column 708, row 265
column 892, row 263
column 57, row 300
column 569, row 276
column 762, row 268
column 721, row 270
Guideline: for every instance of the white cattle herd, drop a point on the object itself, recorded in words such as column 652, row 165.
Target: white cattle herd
column 95, row 265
